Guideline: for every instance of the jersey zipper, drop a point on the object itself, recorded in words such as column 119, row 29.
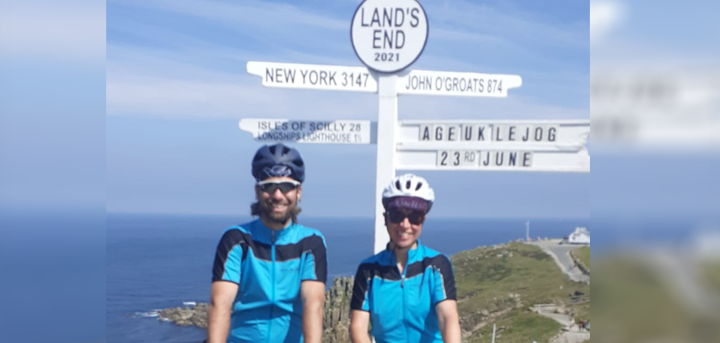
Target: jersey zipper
column 402, row 289
column 272, row 286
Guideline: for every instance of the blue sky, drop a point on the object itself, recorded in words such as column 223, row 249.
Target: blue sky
column 177, row 87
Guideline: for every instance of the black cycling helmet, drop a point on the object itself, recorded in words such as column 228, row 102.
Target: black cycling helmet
column 278, row 160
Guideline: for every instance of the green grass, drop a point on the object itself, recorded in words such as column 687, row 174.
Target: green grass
column 486, row 276
column 583, row 254
column 712, row 275
column 519, row 327
column 638, row 303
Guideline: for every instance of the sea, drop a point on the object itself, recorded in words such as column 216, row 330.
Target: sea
column 165, row 261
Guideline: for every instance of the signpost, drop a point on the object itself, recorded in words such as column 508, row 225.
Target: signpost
column 308, row 131
column 460, row 84
column 388, row 36
column 311, row 76
column 509, row 145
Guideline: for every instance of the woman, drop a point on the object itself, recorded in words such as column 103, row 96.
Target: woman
column 407, row 291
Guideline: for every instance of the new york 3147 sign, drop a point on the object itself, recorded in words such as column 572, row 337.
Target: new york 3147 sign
column 389, row 35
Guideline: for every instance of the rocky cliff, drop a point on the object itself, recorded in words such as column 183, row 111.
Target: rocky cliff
column 336, row 312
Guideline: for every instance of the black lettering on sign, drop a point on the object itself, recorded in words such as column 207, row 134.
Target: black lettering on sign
column 487, row 159
column 456, row 162
column 376, row 39
column 399, row 39
column 414, row 14
column 527, row 162
column 323, row 77
column 375, row 18
column 512, row 161
column 481, row 133
column 387, row 18
column 470, row 85
column 313, row 77
column 290, row 75
column 279, row 75
column 467, row 132
column 451, row 133
column 499, row 156
column 470, row 156
column 425, row 133
column 399, row 17
column 438, row 133
column 511, row 133
column 426, row 83
column 527, row 134
column 538, row 134
column 448, row 83
column 444, row 156
column 419, row 82
column 387, row 39
column 551, row 134
column 498, row 138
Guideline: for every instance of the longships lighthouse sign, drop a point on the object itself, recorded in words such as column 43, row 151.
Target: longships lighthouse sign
column 388, row 36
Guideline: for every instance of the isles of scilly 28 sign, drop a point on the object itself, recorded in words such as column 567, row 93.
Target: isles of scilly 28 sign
column 389, row 35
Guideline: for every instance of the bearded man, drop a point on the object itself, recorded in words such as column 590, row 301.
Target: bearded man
column 269, row 275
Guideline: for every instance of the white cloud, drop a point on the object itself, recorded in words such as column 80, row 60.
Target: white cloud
column 264, row 16
column 510, row 25
column 51, row 30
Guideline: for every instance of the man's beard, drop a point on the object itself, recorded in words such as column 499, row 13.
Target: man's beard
column 281, row 218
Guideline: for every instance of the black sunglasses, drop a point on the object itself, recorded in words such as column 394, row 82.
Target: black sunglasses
column 285, row 186
column 415, row 217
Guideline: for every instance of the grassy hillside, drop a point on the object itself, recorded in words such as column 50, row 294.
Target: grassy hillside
column 498, row 284
column 712, row 275
column 583, row 254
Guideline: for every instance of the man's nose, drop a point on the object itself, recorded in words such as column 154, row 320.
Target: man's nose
column 278, row 194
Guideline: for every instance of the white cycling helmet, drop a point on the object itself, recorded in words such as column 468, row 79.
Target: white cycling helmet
column 407, row 186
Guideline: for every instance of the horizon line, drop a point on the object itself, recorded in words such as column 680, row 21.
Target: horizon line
column 337, row 217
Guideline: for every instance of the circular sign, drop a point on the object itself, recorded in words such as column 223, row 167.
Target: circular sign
column 389, row 35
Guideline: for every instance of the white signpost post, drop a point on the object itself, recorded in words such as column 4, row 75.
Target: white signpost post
column 388, row 36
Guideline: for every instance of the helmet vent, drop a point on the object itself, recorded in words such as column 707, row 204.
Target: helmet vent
column 418, row 186
column 397, row 185
column 407, row 184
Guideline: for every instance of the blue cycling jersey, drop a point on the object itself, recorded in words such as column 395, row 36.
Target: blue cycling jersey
column 402, row 305
column 268, row 266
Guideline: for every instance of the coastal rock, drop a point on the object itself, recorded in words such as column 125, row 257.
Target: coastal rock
column 336, row 321
column 195, row 316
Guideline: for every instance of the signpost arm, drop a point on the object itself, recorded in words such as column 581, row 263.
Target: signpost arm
column 385, row 168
